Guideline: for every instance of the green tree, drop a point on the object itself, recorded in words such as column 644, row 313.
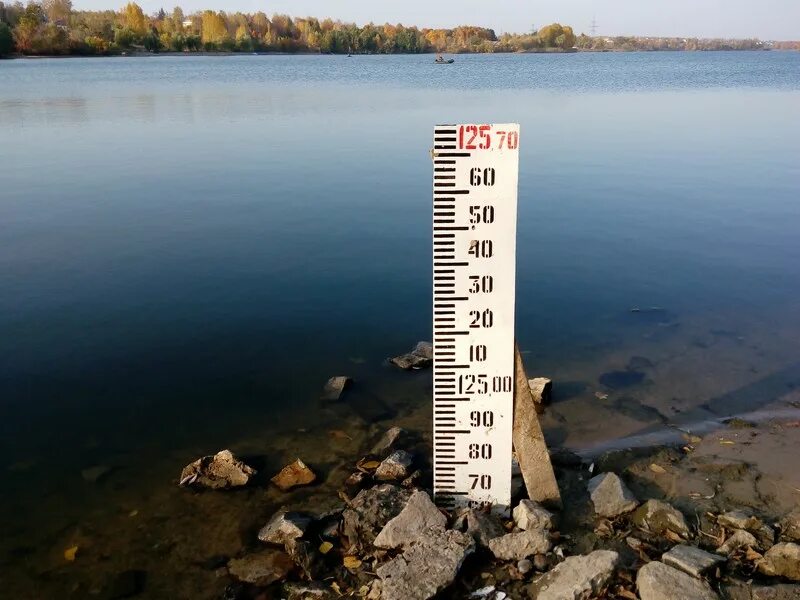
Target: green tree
column 124, row 38
column 6, row 40
column 151, row 41
column 28, row 27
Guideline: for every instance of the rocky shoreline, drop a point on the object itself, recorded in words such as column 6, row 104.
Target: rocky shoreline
column 616, row 537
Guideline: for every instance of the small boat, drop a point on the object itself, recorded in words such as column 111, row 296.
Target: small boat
column 441, row 61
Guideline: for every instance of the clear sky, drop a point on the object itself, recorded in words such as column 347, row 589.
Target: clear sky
column 766, row 19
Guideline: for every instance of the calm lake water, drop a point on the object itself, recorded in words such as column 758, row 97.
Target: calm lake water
column 191, row 246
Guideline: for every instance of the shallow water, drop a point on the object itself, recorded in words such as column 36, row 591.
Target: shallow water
column 190, row 247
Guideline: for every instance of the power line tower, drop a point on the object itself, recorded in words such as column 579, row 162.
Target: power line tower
column 593, row 27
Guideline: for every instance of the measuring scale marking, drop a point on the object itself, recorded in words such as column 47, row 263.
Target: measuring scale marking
column 474, row 249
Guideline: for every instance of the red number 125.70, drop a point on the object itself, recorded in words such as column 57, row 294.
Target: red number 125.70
column 479, row 137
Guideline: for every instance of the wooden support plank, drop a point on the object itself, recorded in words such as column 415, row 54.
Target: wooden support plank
column 529, row 444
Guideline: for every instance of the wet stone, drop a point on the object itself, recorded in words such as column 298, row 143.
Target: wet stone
column 738, row 539
column 782, row 560
column 541, row 390
column 313, row 590
column 221, row 471
column 610, row 496
column 691, row 560
column 418, row 516
column 293, row 475
column 525, row 566
column 782, row 591
column 283, row 527
column 369, row 512
column 740, row 519
column 657, row 581
column 529, row 515
column 261, row 568
column 482, row 526
column 519, row 545
column 396, row 467
column 426, row 567
column 419, row 358
column 335, row 387
column 576, row 578
column 356, row 479
column 790, row 527
column 657, row 517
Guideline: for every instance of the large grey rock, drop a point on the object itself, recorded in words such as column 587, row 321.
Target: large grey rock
column 419, row 515
column 577, row 578
column 396, row 467
column 790, row 527
column 426, row 567
column 691, row 559
column 394, row 437
column 740, row 519
column 738, row 539
column 610, row 496
column 656, row 517
column 482, row 526
column 529, row 515
column 419, row 358
column 782, row 560
column 657, row 581
column 521, row 544
column 284, row 526
column 221, row 471
column 261, row 568
column 369, row 512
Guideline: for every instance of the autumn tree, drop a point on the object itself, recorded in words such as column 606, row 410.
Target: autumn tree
column 214, row 29
column 58, row 11
column 134, row 19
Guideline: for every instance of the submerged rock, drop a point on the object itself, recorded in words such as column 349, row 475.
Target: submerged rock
column 529, row 515
column 261, row 568
column 95, row 474
column 396, row 467
column 335, row 387
column 369, row 512
column 418, row 516
column 426, row 567
column 394, row 437
column 223, row 470
column 739, row 539
column 656, row 517
column 521, row 544
column 610, row 496
column 419, row 358
column 657, row 581
column 283, row 527
column 293, row 475
column 126, row 584
column 691, row 560
column 482, row 526
column 576, row 578
column 782, row 560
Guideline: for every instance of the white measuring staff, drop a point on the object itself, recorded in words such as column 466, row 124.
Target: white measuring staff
column 474, row 250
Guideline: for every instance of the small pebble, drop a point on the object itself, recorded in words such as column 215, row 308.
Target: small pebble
column 524, row 566
column 540, row 562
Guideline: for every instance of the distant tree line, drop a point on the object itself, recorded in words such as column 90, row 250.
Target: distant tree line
column 629, row 43
column 52, row 27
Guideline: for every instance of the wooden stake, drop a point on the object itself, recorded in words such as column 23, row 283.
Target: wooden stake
column 529, row 444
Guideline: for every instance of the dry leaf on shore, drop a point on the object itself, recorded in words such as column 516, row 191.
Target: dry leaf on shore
column 70, row 553
column 351, row 562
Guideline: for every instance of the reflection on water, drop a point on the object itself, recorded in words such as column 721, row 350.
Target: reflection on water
column 191, row 247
